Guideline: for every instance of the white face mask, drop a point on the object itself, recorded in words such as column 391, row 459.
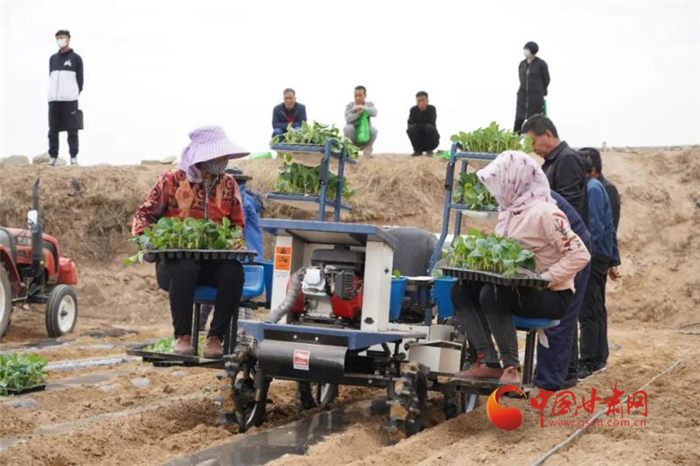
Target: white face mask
column 527, row 53
column 61, row 43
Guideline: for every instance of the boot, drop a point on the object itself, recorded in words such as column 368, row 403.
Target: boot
column 183, row 346
column 213, row 348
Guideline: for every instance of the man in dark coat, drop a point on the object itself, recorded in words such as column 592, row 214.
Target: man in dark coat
column 288, row 112
column 564, row 167
column 534, row 80
column 65, row 86
column 422, row 128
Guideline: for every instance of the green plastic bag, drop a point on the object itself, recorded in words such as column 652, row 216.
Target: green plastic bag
column 544, row 107
column 362, row 130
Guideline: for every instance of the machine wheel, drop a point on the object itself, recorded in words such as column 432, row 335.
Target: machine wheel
column 61, row 311
column 5, row 301
column 313, row 394
column 459, row 403
column 408, row 402
column 249, row 412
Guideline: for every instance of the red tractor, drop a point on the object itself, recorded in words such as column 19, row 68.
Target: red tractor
column 33, row 271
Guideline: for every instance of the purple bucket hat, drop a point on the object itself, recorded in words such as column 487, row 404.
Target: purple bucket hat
column 208, row 143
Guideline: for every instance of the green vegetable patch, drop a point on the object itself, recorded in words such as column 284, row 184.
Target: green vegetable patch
column 21, row 372
column 490, row 253
column 173, row 233
column 493, row 140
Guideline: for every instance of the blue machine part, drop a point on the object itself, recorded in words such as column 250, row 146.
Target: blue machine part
column 335, row 233
column 398, row 291
column 442, row 294
column 524, row 323
column 356, row 339
column 253, row 286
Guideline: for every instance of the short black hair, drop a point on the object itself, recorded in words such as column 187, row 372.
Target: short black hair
column 289, row 89
column 538, row 124
column 594, row 157
column 361, row 88
column 62, row 32
column 421, row 94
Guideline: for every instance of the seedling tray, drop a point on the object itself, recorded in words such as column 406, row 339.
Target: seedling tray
column 203, row 254
column 308, row 154
column 35, row 388
column 305, row 202
column 495, row 278
column 476, row 214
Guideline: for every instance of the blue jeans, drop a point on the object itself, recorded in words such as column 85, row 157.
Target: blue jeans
column 278, row 132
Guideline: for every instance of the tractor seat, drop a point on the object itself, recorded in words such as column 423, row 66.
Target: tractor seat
column 253, row 286
column 525, row 323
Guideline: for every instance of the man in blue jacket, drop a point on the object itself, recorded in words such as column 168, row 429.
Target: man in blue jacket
column 288, row 112
column 556, row 365
column 593, row 317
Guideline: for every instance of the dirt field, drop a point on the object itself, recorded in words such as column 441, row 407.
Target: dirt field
column 102, row 417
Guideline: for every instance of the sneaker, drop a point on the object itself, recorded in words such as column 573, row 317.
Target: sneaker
column 183, row 346
column 429, row 153
column 585, row 371
column 74, row 160
column 367, row 152
column 213, row 348
column 599, row 367
column 511, row 375
column 52, row 161
column 478, row 370
column 569, row 382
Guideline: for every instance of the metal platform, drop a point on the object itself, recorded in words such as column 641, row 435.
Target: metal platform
column 305, row 202
column 353, row 340
column 475, row 214
column 477, row 386
column 345, row 234
column 309, row 154
column 173, row 359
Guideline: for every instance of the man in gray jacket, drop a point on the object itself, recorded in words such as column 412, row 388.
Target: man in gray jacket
column 352, row 113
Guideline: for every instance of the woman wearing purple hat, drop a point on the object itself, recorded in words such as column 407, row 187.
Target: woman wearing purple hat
column 181, row 193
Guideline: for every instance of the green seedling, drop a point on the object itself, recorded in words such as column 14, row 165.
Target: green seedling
column 20, row 372
column 490, row 253
column 296, row 178
column 173, row 233
column 472, row 192
column 493, row 140
column 317, row 134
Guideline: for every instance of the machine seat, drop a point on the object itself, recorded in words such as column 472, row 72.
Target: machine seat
column 253, row 286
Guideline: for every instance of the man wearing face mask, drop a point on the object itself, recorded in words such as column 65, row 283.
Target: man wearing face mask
column 198, row 189
column 534, row 80
column 65, row 85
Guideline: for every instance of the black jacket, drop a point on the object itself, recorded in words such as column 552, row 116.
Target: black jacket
column 65, row 76
column 279, row 116
column 614, row 196
column 416, row 117
column 567, row 175
column 534, row 81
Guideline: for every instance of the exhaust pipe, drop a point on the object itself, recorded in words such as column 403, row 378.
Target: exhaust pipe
column 34, row 225
column 288, row 303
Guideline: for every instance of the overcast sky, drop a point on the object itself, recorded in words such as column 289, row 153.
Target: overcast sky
column 626, row 73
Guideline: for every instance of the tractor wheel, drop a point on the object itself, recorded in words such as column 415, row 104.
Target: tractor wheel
column 5, row 301
column 61, row 311
column 249, row 411
column 408, row 402
column 312, row 395
column 459, row 403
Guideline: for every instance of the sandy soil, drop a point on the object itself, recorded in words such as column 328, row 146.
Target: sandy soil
column 113, row 421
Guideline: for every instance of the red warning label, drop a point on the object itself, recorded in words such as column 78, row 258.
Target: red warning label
column 301, row 359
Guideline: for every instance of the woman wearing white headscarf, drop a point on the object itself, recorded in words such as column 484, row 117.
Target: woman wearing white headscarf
column 527, row 213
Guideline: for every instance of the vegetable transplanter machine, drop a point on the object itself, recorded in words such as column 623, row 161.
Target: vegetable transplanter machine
column 330, row 324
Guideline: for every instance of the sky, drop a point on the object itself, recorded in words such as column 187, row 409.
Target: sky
column 624, row 73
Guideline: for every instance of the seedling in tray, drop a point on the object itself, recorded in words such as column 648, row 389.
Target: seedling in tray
column 490, row 253
column 173, row 233
column 316, row 134
column 493, row 140
column 472, row 193
column 21, row 372
column 295, row 178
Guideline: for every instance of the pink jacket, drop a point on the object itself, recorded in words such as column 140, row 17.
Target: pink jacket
column 559, row 253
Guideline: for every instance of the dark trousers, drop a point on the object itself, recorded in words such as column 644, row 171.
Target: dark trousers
column 593, row 319
column 486, row 310
column 180, row 278
column 424, row 137
column 518, row 125
column 559, row 362
column 62, row 117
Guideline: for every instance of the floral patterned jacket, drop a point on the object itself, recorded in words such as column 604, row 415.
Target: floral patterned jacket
column 174, row 196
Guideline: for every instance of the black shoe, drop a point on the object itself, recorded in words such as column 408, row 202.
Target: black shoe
column 570, row 381
column 585, row 371
column 416, row 154
column 429, row 153
column 599, row 367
